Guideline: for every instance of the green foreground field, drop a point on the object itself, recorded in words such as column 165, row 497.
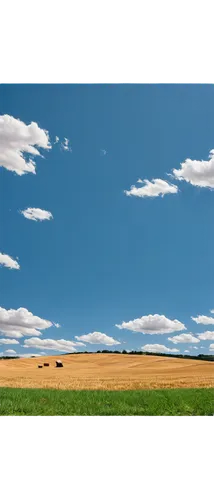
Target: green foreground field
column 145, row 402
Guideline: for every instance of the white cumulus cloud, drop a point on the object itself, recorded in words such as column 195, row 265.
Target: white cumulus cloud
column 52, row 345
column 36, row 214
column 153, row 324
column 206, row 335
column 9, row 341
column 154, row 188
column 197, row 172
column 10, row 351
column 65, row 144
column 211, row 347
column 97, row 338
column 203, row 320
column 184, row 338
column 212, row 311
column 19, row 139
column 186, row 350
column 158, row 348
column 7, row 261
column 21, row 322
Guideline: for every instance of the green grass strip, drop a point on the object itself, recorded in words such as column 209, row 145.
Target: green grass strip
column 145, row 402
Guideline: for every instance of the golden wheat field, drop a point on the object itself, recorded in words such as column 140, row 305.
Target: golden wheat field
column 107, row 371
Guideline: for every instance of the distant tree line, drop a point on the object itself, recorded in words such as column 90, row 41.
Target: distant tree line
column 203, row 357
column 9, row 357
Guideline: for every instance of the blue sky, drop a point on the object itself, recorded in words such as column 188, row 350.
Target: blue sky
column 105, row 257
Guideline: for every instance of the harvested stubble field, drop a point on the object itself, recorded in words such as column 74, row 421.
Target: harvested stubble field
column 107, row 372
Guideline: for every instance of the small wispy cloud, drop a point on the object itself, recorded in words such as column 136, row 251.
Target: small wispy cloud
column 8, row 341
column 184, row 338
column 7, row 261
column 36, row 214
column 203, row 320
column 65, row 144
column 97, row 338
column 152, row 189
column 103, row 152
column 206, row 335
column 52, row 344
column 158, row 348
column 30, row 355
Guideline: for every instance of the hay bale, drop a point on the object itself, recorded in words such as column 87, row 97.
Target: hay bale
column 40, row 366
column 46, row 364
column 59, row 364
